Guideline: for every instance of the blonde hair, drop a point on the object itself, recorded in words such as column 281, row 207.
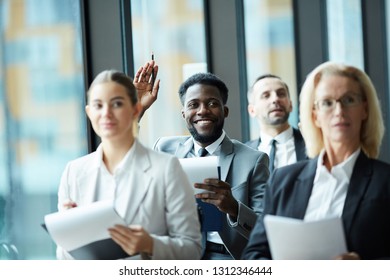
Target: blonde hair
column 372, row 130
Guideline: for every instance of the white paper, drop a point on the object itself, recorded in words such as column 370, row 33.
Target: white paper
column 76, row 227
column 293, row 239
column 200, row 168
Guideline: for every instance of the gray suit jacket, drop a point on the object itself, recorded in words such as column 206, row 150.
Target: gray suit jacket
column 300, row 147
column 245, row 170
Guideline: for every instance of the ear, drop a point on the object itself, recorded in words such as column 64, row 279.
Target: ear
column 252, row 110
column 365, row 111
column 87, row 110
column 137, row 110
column 226, row 111
column 182, row 113
column 290, row 108
column 315, row 118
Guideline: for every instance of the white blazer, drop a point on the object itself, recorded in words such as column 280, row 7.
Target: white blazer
column 163, row 204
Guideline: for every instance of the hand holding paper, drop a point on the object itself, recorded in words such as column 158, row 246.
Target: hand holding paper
column 83, row 231
column 200, row 168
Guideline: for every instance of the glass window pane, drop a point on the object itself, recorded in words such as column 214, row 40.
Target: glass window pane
column 42, row 119
column 174, row 31
column 269, row 39
column 345, row 32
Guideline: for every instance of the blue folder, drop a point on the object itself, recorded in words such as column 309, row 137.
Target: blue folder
column 210, row 217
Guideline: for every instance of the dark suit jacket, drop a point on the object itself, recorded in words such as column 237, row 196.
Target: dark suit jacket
column 366, row 213
column 300, row 147
column 247, row 173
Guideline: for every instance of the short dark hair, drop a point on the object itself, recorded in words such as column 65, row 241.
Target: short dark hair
column 204, row 79
column 271, row 76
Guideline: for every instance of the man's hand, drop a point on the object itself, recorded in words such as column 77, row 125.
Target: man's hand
column 147, row 86
column 220, row 196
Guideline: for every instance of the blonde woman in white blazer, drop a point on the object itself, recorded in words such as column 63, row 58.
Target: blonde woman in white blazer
column 149, row 189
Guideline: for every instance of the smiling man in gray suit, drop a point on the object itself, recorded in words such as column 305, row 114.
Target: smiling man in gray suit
column 244, row 172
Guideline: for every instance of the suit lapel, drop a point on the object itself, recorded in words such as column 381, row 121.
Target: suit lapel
column 302, row 190
column 184, row 148
column 226, row 157
column 358, row 185
column 300, row 148
column 86, row 185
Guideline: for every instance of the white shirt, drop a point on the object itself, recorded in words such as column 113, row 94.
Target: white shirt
column 213, row 149
column 107, row 184
column 330, row 188
column 285, row 147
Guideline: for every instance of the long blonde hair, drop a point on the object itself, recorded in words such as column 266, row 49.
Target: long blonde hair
column 372, row 130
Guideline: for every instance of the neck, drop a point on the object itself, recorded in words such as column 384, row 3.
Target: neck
column 274, row 130
column 336, row 154
column 114, row 152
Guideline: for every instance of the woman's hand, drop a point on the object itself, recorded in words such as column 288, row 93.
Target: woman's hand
column 68, row 204
column 348, row 256
column 133, row 239
column 146, row 84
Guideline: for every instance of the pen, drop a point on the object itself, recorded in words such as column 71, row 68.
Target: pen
column 152, row 70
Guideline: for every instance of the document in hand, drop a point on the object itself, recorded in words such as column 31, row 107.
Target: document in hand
column 198, row 169
column 83, row 231
column 293, row 239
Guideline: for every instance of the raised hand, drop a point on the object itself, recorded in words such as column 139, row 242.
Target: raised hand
column 146, row 84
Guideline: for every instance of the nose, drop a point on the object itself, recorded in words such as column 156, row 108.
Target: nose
column 203, row 108
column 338, row 107
column 274, row 96
column 106, row 111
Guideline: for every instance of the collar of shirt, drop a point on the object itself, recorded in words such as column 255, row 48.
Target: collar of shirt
column 340, row 171
column 212, row 149
column 280, row 138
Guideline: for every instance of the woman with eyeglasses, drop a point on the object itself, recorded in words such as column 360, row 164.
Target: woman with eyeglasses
column 342, row 125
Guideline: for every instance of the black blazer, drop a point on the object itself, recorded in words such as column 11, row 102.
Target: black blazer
column 300, row 147
column 366, row 213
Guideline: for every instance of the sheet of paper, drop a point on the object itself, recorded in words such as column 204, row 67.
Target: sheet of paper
column 293, row 239
column 79, row 226
column 200, row 168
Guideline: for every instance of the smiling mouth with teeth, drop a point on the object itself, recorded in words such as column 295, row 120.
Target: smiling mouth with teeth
column 203, row 122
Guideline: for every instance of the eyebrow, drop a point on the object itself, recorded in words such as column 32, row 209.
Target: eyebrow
column 112, row 99
column 344, row 94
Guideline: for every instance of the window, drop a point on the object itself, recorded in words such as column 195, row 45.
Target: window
column 174, row 31
column 42, row 119
column 269, row 40
column 345, row 32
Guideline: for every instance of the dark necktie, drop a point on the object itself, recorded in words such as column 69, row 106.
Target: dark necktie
column 203, row 152
column 272, row 155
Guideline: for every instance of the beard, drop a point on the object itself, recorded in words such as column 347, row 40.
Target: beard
column 279, row 120
column 207, row 138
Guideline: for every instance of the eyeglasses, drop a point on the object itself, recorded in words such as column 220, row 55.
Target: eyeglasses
column 346, row 101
